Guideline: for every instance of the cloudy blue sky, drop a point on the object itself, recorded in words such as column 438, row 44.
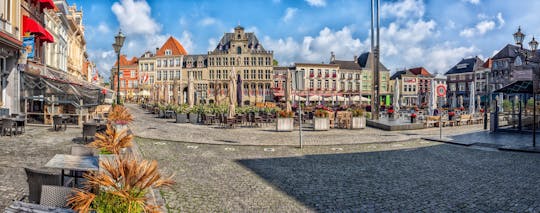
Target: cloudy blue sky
column 435, row 34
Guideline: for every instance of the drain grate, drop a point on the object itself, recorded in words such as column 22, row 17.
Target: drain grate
column 192, row 147
column 151, row 128
column 269, row 149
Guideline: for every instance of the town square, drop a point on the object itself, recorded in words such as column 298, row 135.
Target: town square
column 269, row 106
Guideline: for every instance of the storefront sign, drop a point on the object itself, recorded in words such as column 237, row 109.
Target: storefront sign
column 28, row 47
column 409, row 80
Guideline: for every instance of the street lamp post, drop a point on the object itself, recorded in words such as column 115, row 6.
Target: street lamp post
column 119, row 42
column 533, row 44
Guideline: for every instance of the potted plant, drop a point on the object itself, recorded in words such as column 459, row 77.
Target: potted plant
column 358, row 119
column 121, row 185
column 321, row 121
column 285, row 121
column 451, row 115
column 193, row 115
column 119, row 116
column 390, row 112
column 181, row 113
column 413, row 118
column 112, row 141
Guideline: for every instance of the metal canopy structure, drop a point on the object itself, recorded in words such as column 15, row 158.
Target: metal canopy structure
column 518, row 87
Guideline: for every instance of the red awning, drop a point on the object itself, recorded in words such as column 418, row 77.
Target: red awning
column 31, row 26
column 49, row 4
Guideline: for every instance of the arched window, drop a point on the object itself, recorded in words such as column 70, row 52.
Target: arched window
column 238, row 50
column 238, row 36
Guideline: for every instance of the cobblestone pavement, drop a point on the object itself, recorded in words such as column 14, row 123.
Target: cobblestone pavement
column 148, row 126
column 384, row 177
column 32, row 149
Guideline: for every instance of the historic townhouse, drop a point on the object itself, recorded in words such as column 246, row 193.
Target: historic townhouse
column 129, row 77
column 320, row 81
column 196, row 69
column 366, row 63
column 169, row 59
column 57, row 24
column 349, row 76
column 241, row 52
column 408, row 87
column 77, row 55
column 10, row 45
column 460, row 79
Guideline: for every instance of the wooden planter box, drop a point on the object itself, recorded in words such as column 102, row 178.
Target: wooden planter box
column 358, row 122
column 181, row 118
column 321, row 124
column 284, row 124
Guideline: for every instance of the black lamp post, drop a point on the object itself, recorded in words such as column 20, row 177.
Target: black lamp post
column 533, row 44
column 118, row 43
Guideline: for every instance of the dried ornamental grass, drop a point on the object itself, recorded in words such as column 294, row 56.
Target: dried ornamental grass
column 112, row 140
column 120, row 115
column 123, row 183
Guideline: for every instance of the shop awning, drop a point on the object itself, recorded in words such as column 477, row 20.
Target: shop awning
column 31, row 26
column 49, row 4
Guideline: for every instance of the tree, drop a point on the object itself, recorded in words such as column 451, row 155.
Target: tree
column 275, row 62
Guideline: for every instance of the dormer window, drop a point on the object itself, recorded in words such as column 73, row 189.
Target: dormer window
column 168, row 52
column 238, row 36
column 461, row 66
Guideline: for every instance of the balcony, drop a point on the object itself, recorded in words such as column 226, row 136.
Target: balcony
column 311, row 75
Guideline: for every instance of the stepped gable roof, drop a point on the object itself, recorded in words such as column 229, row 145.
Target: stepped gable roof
column 349, row 65
column 252, row 42
column 125, row 62
column 466, row 65
column 365, row 61
column 420, row 71
column 173, row 45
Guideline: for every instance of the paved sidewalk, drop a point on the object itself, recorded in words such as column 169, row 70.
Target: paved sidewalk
column 148, row 126
column 32, row 149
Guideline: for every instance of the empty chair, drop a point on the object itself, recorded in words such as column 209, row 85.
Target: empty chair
column 55, row 196
column 89, row 130
column 58, row 121
column 36, row 179
column 8, row 127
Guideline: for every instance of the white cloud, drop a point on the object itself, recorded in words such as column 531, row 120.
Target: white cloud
column 103, row 28
column 472, row 1
column 316, row 3
column 134, row 17
column 403, row 9
column 207, row 21
column 316, row 49
column 500, row 19
column 212, row 44
column 289, row 14
column 481, row 28
column 451, row 24
column 187, row 41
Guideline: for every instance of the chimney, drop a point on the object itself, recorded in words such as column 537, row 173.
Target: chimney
column 355, row 58
column 157, row 48
column 332, row 57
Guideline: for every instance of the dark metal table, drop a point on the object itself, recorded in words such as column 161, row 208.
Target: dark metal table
column 73, row 162
column 19, row 206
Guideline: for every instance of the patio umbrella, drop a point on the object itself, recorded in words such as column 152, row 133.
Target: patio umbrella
column 239, row 90
column 461, row 101
column 288, row 89
column 500, row 102
column 175, row 91
column 454, row 100
column 432, row 98
column 232, row 91
column 396, row 96
column 299, row 98
column 478, row 101
column 191, row 92
column 471, row 99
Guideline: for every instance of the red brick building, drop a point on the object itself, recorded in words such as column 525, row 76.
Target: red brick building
column 424, row 83
column 129, row 77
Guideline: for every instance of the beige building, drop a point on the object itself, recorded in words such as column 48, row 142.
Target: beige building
column 320, row 81
column 244, row 53
column 77, row 55
column 165, row 74
column 10, row 45
column 56, row 23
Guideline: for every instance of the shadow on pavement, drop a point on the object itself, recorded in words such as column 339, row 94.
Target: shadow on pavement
column 429, row 178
